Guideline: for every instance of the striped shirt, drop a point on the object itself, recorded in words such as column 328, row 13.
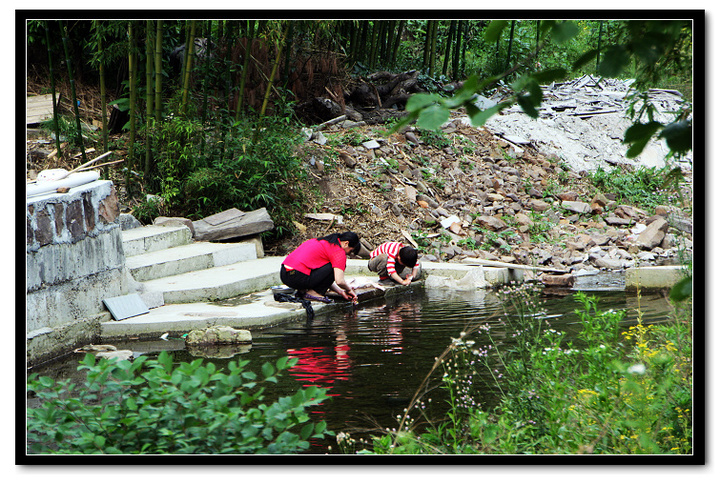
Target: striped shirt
column 392, row 249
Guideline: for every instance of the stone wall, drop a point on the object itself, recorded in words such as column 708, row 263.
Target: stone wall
column 74, row 260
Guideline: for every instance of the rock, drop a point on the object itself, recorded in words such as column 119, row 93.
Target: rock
column 568, row 196
column 577, row 207
column 601, row 200
column 233, row 223
column 533, row 192
column 606, row 262
column 652, row 236
column 580, row 242
column 538, row 205
column 626, row 211
column 218, row 335
column 371, row 145
column 523, row 219
column 175, row 222
column 127, row 221
column 491, row 222
column 447, row 222
column 558, row 280
column 600, row 239
column 115, row 355
column 612, row 220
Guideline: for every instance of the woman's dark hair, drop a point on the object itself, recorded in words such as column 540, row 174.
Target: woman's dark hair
column 408, row 257
column 351, row 237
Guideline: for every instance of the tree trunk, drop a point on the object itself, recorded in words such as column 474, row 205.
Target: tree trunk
column 148, row 95
column 189, row 54
column 72, row 89
column 433, row 47
column 133, row 94
column 246, row 64
column 396, row 47
column 278, row 46
column 456, row 57
column 448, row 46
column 158, row 71
column 52, row 86
column 510, row 42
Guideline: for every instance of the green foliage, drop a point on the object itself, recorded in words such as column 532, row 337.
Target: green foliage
column 158, row 407
column 643, row 187
column 607, row 391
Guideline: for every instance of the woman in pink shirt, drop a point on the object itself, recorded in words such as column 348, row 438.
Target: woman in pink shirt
column 319, row 264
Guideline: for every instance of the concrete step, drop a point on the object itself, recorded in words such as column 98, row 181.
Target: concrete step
column 218, row 283
column 188, row 258
column 152, row 238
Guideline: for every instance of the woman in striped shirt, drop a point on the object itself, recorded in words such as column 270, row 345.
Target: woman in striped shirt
column 391, row 259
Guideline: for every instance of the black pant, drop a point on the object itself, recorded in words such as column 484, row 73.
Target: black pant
column 319, row 280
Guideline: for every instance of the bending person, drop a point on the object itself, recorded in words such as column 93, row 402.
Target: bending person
column 391, row 259
column 319, row 264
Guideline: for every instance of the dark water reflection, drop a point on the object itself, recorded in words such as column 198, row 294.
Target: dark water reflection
column 372, row 359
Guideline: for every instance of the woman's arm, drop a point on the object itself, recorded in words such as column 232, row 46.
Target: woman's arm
column 343, row 285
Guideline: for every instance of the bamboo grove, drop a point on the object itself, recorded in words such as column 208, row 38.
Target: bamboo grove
column 184, row 93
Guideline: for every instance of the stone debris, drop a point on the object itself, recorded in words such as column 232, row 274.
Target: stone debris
column 583, row 122
column 218, row 335
column 473, row 194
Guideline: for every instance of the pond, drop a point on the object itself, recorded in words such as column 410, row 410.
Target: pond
column 373, row 358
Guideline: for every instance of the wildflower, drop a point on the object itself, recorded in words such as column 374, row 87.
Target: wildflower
column 638, row 369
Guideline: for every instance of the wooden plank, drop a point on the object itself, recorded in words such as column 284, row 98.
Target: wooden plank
column 39, row 108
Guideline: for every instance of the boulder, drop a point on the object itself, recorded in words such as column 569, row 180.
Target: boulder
column 577, row 207
column 490, row 222
column 218, row 335
column 653, row 235
column 538, row 205
column 233, row 223
column 175, row 222
column 558, row 280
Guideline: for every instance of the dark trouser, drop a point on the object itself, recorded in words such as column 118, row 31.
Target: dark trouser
column 319, row 280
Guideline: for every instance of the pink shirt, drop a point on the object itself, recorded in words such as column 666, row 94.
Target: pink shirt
column 314, row 253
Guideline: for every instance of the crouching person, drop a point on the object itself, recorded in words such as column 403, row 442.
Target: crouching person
column 392, row 260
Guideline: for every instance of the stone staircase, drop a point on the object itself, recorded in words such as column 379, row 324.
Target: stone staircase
column 181, row 280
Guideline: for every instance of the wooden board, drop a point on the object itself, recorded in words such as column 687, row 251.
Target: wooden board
column 39, row 108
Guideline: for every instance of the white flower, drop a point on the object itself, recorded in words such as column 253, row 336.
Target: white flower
column 638, row 369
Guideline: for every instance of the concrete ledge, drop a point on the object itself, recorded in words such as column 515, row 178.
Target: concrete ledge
column 154, row 237
column 187, row 258
column 658, row 277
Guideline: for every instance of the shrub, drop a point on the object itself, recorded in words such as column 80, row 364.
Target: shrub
column 156, row 407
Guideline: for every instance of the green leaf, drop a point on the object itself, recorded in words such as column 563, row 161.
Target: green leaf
column 268, row 370
column 421, row 100
column 480, row 117
column 682, row 290
column 564, row 31
column 432, row 117
column 678, row 136
column 549, row 75
column 588, row 56
column 165, row 359
column 494, row 30
column 527, row 105
column 641, row 131
column 616, row 58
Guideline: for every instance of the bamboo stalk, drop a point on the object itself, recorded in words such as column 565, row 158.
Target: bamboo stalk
column 52, row 84
column 148, row 95
column 158, row 71
column 188, row 67
column 72, row 88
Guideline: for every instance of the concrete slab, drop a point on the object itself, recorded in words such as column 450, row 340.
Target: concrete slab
column 218, row 283
column 658, row 277
column 153, row 237
column 187, row 258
